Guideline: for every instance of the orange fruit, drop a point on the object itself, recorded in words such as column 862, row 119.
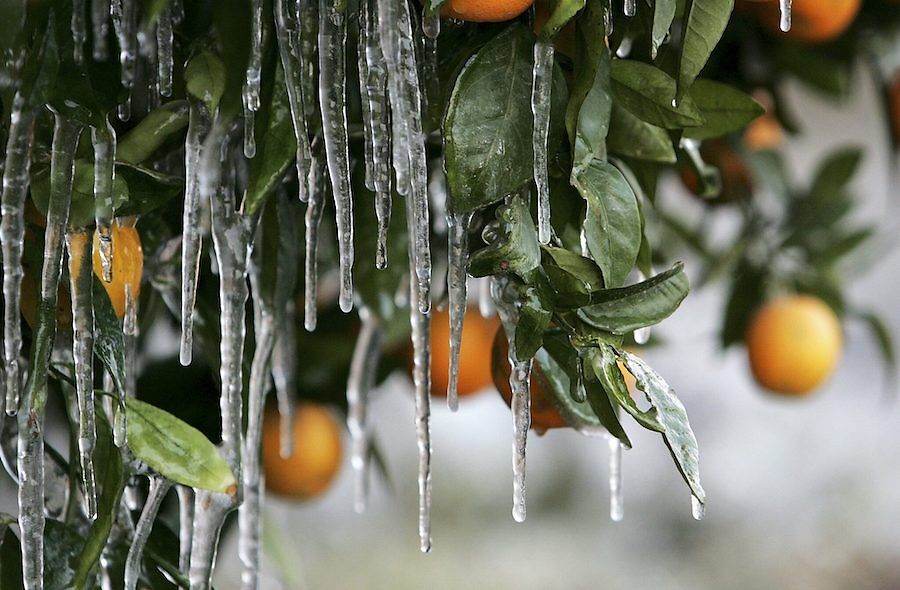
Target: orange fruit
column 794, row 343
column 485, row 11
column 127, row 264
column 764, row 133
column 812, row 21
column 544, row 414
column 309, row 471
column 474, row 354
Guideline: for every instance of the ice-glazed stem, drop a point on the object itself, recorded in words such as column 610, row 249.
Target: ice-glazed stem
column 104, row 143
column 31, row 411
column 314, row 210
column 185, row 526
column 210, row 510
column 458, row 238
column 12, row 235
column 332, row 102
column 363, row 366
column 198, row 127
column 254, row 69
column 159, row 487
column 542, row 83
column 81, row 275
column 616, row 506
column 630, row 7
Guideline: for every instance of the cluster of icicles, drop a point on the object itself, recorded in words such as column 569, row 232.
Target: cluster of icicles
column 392, row 98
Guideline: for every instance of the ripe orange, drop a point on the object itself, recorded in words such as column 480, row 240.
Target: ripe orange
column 317, row 453
column 544, row 414
column 474, row 356
column 485, row 11
column 812, row 21
column 764, row 133
column 794, row 343
column 127, row 264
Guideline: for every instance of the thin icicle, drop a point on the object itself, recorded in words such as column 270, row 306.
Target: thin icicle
column 308, row 17
column 210, row 510
column 542, row 83
column 616, row 507
column 124, row 22
column 251, row 85
column 16, row 175
column 630, row 7
column 249, row 133
column 185, row 526
column 287, row 28
column 785, row 6
column 332, row 101
column 79, row 34
column 31, row 413
column 198, row 127
column 642, row 335
column 249, row 511
column 159, row 487
column 458, row 234
column 104, row 143
column 164, row 59
column 698, row 508
column 362, row 68
column 100, row 27
column 366, row 355
column 81, row 277
column 431, row 24
column 284, row 373
column 131, row 332
column 314, row 210
column 485, row 301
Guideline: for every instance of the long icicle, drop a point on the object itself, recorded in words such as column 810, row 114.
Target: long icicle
column 542, row 83
column 314, row 210
column 458, row 248
column 31, row 413
column 366, row 355
column 124, row 17
column 198, row 127
column 185, row 526
column 81, row 276
column 79, row 34
column 159, row 487
column 100, row 28
column 16, row 175
column 251, row 85
column 785, row 7
column 284, row 354
column 104, row 143
column 332, row 101
column 164, row 62
column 616, row 506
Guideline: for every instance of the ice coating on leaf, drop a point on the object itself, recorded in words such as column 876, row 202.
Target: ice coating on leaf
column 698, row 508
column 360, row 381
column 159, row 487
column 12, row 235
column 104, row 143
column 288, row 33
column 100, row 27
column 785, row 7
column 210, row 510
column 630, row 7
column 616, row 506
column 124, row 23
column 332, row 102
column 164, row 59
column 30, row 453
column 79, row 33
column 81, row 276
column 458, row 248
column 185, row 526
column 542, row 83
column 198, row 127
column 314, row 210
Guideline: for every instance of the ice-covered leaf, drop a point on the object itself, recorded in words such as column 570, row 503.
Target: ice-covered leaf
column 204, row 77
column 648, row 93
column 62, row 544
column 647, row 303
column 572, row 277
column 602, row 363
column 81, row 212
column 612, row 224
column 557, row 361
column 276, row 145
column 563, row 12
column 109, row 344
column 726, row 109
column 149, row 134
column 629, row 136
column 176, row 450
column 516, row 248
column 663, row 14
column 143, row 190
column 534, row 319
column 603, row 407
column 704, row 23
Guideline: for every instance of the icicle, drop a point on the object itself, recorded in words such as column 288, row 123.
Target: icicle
column 642, row 335
column 616, row 508
column 81, row 277
column 456, row 289
column 164, row 62
column 251, row 86
column 698, row 508
column 785, row 6
column 366, row 355
column 104, row 142
column 249, row 133
column 185, row 526
column 124, row 17
column 431, row 24
column 130, row 331
column 249, row 511
column 485, row 301
column 16, row 175
column 210, row 510
column 198, row 126
column 159, row 487
column 542, row 82
column 630, row 7
column 31, row 412
column 79, row 34
column 100, row 27
column 362, row 68
column 420, row 323
column 332, row 101
column 314, row 210
column 284, row 358
column 308, row 17
column 287, row 28
column 399, row 51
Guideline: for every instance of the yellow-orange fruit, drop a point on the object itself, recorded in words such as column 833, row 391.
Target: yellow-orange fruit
column 794, row 343
column 474, row 354
column 812, row 21
column 127, row 264
column 764, row 133
column 485, row 11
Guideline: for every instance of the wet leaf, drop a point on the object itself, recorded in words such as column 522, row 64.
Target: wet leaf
column 556, row 360
column 704, row 23
column 204, row 77
column 152, row 131
column 726, row 109
column 572, row 277
column 629, row 136
column 516, row 248
column 602, row 362
column 109, row 344
column 663, row 15
column 176, row 450
column 647, row 92
column 563, row 12
column 62, row 544
column 534, row 319
column 603, row 407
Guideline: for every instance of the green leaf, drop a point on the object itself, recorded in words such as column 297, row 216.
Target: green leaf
column 149, row 134
column 747, row 294
column 726, row 109
column 647, row 92
column 704, row 23
column 629, row 136
column 835, row 172
column 602, row 362
column 276, row 146
column 176, row 450
column 588, row 111
column 10, row 561
column 663, row 15
column 204, row 77
column 647, row 303
column 825, row 73
column 534, row 319
column 885, row 342
column 572, row 277
column 145, row 190
column 81, row 211
column 563, row 12
column 61, row 546
column 612, row 224
column 673, row 418
column 516, row 248
column 109, row 344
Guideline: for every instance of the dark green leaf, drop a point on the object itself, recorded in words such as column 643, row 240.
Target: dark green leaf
column 557, row 361
column 81, row 212
column 747, row 294
column 149, row 134
column 835, row 172
column 588, row 112
column 61, row 547
column 276, row 146
column 602, row 362
column 534, row 319
column 663, row 14
column 563, row 12
column 572, row 277
column 516, row 248
column 109, row 344
column 647, row 92
column 629, row 136
column 145, row 190
column 726, row 109
column 204, row 77
column 10, row 561
column 704, row 23
column 885, row 341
